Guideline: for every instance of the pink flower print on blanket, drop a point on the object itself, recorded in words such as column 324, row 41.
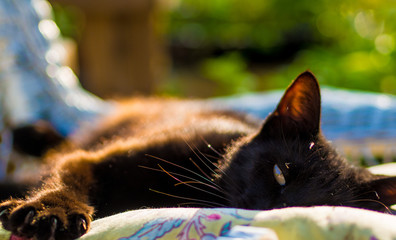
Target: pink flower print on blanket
column 156, row 229
column 205, row 224
column 199, row 224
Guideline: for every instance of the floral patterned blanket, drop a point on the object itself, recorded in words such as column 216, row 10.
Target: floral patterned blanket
column 225, row 224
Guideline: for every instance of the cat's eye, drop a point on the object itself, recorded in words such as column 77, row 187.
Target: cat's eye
column 278, row 174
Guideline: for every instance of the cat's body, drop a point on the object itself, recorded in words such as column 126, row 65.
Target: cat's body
column 157, row 153
column 153, row 134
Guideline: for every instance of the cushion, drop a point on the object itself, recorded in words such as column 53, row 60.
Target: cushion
column 203, row 223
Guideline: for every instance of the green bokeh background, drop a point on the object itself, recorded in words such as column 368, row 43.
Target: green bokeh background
column 233, row 46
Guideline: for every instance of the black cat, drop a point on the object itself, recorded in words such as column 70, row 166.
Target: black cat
column 162, row 153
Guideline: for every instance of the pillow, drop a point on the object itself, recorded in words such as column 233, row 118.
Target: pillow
column 203, row 223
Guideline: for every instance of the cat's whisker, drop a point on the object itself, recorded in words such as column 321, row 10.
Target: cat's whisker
column 229, row 179
column 197, row 203
column 365, row 193
column 207, row 156
column 200, row 169
column 192, row 149
column 210, row 147
column 223, row 173
column 181, row 175
column 189, row 199
column 181, row 167
column 387, row 209
column 186, row 183
column 226, row 195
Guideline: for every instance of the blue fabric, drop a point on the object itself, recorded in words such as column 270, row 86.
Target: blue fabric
column 34, row 83
column 348, row 115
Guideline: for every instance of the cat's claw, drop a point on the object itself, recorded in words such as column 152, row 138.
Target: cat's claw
column 29, row 217
column 34, row 220
column 54, row 223
column 79, row 223
column 4, row 214
column 21, row 221
column 82, row 225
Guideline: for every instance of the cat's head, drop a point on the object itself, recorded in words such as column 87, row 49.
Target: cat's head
column 289, row 162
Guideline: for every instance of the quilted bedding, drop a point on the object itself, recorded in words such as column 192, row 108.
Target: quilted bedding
column 202, row 223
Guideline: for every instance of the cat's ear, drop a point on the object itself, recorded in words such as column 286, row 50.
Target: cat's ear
column 385, row 189
column 298, row 112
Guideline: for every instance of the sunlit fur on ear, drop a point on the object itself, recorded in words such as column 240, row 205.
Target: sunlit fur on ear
column 298, row 112
column 301, row 101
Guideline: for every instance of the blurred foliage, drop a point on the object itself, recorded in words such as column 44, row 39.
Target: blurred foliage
column 230, row 73
column 69, row 20
column 349, row 44
column 233, row 46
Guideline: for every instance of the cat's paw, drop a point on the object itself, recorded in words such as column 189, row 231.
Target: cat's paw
column 45, row 220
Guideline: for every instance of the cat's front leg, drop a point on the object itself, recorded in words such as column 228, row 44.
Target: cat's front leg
column 59, row 209
column 51, row 214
